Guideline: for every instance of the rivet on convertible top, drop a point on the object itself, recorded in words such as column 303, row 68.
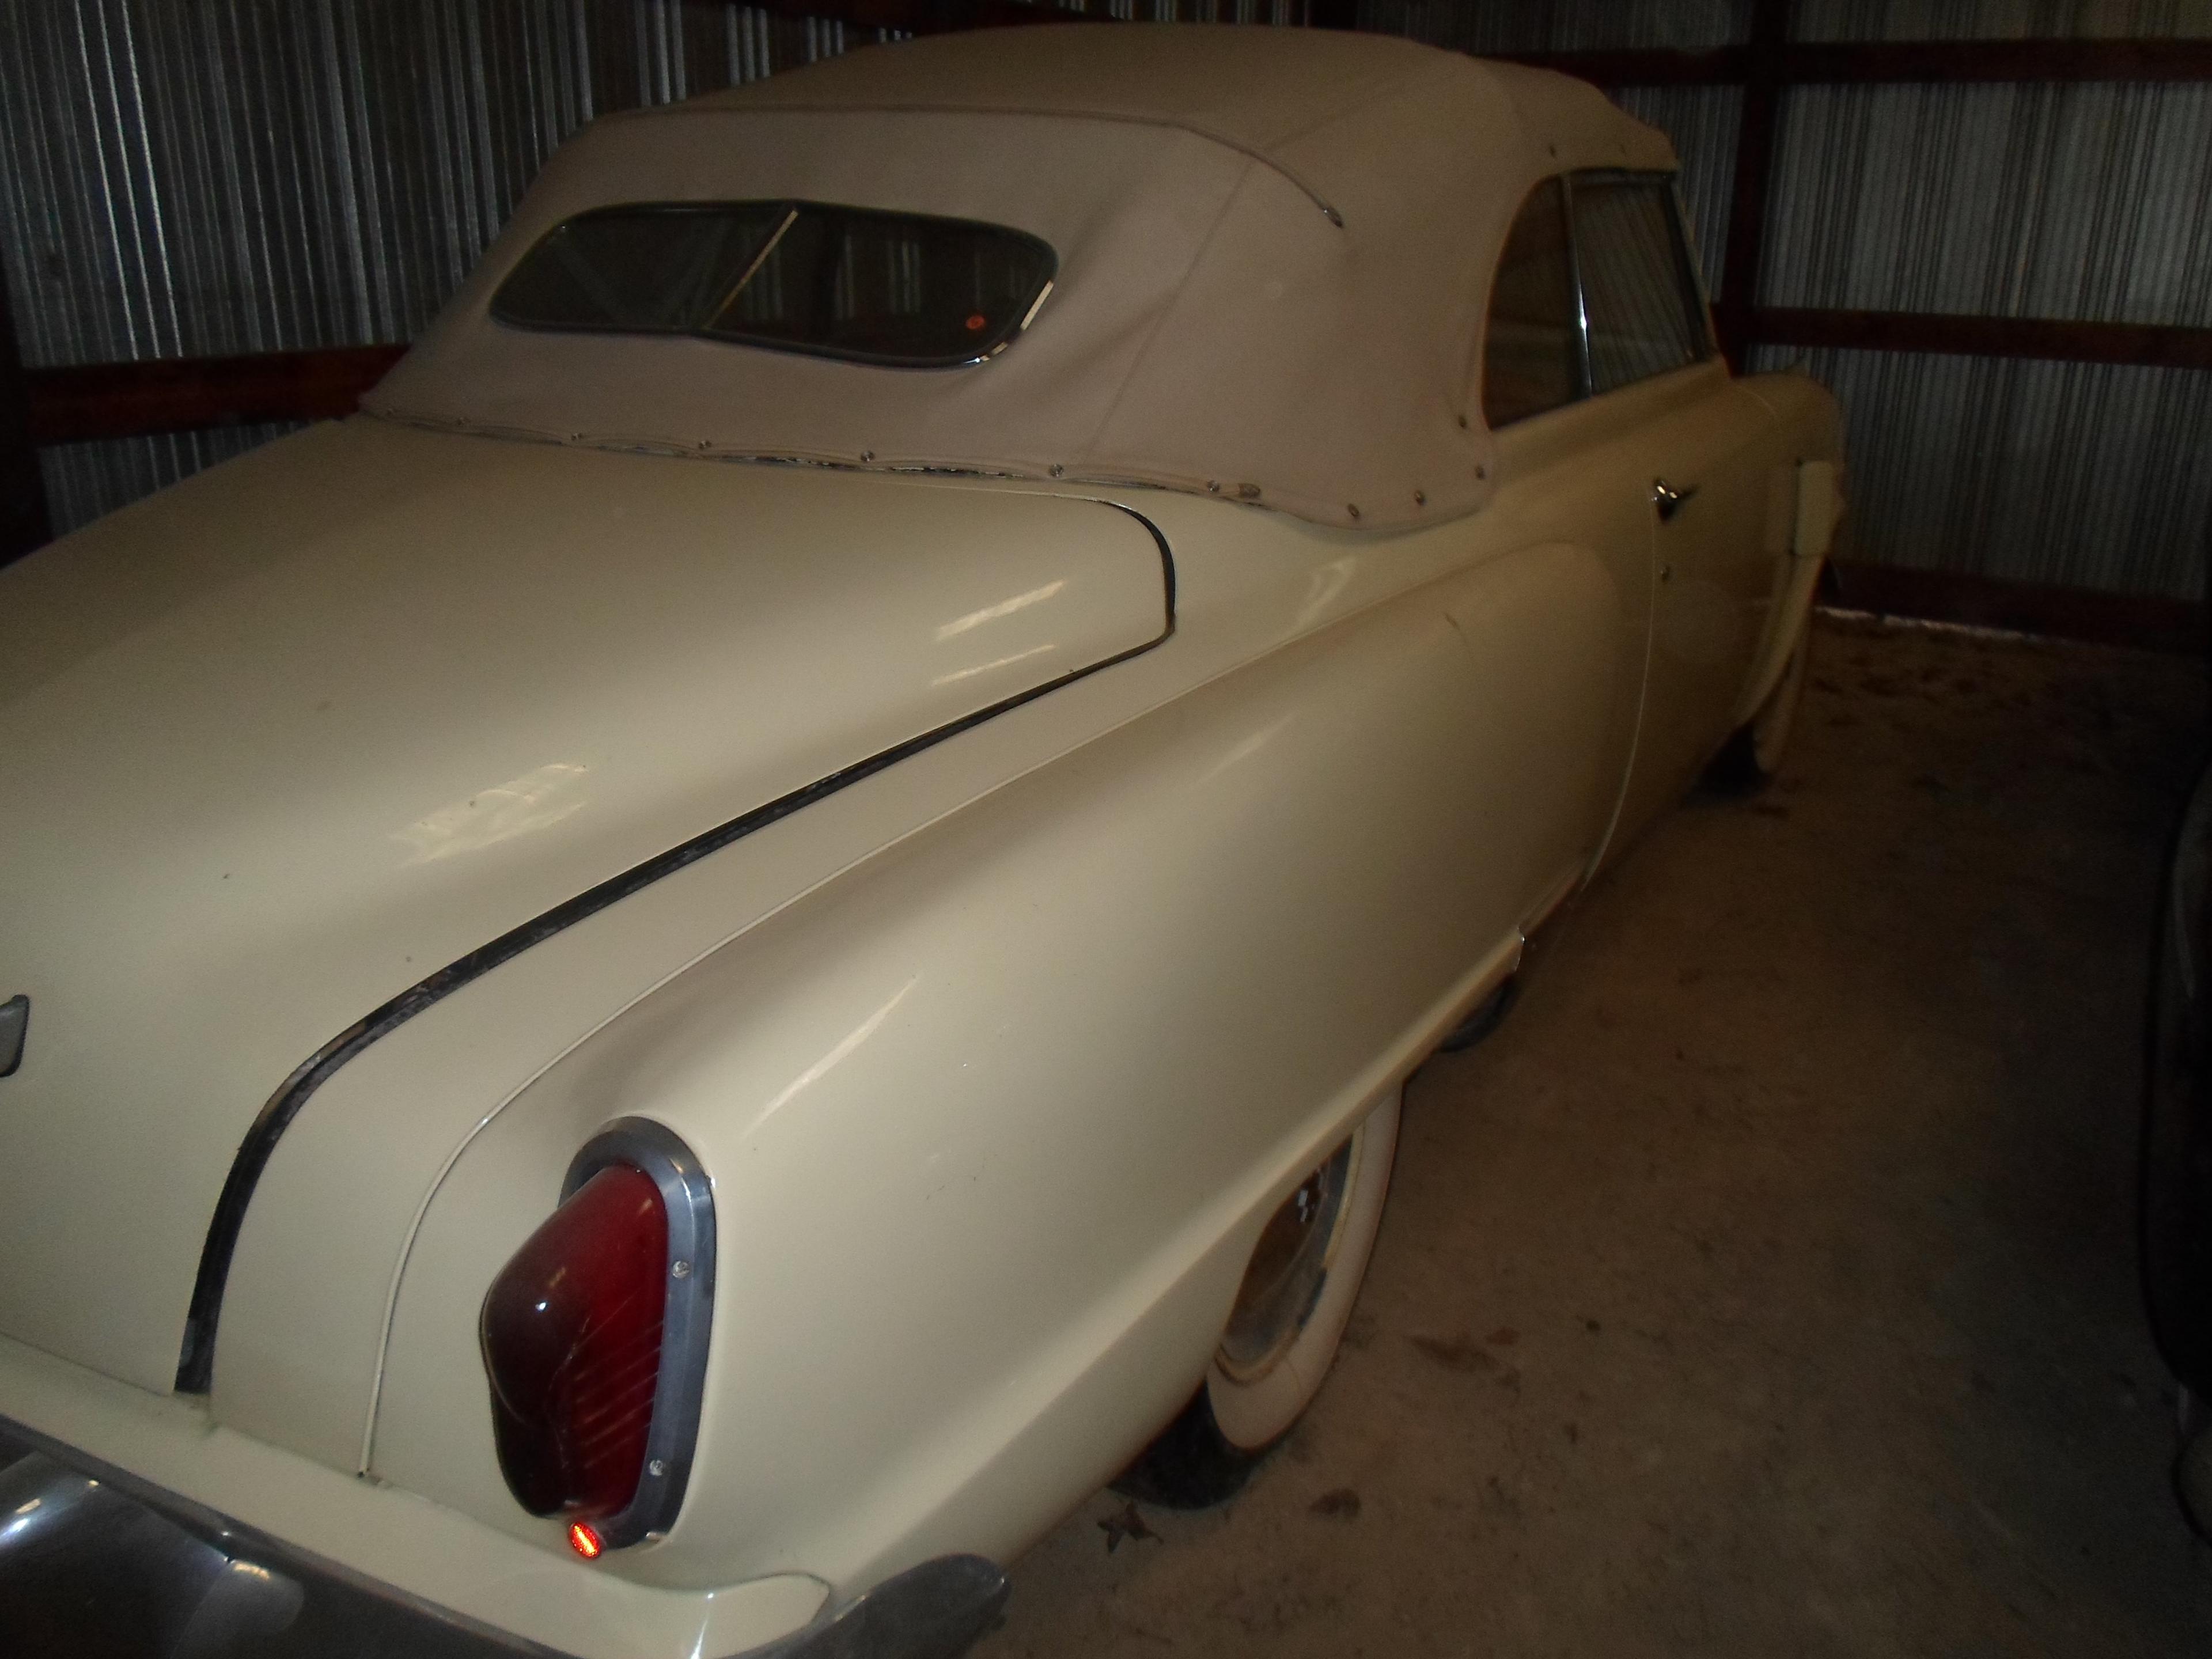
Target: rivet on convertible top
column 1058, row 470
column 867, row 455
column 1352, row 507
column 1420, row 498
column 1250, row 492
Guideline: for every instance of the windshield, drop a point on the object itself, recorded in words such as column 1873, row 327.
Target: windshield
column 904, row 289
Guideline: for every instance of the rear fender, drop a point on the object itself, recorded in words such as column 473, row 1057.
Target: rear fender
column 994, row 1118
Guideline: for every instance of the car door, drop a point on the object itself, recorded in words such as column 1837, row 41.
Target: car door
column 1701, row 448
column 1571, row 518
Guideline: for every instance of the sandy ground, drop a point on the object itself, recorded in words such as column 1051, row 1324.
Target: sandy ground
column 1766, row 1285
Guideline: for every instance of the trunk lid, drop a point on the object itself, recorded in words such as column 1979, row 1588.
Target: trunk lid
column 284, row 740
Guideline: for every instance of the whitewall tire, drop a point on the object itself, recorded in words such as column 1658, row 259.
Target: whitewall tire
column 1284, row 1328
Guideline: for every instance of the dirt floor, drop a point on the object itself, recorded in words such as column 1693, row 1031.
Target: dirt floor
column 1766, row 1285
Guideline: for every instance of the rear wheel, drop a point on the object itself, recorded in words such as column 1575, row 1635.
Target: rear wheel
column 1284, row 1328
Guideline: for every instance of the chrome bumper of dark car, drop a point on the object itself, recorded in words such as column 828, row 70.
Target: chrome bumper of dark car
column 87, row 1570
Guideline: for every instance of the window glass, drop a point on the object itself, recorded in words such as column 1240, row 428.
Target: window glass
column 897, row 289
column 1531, row 356
column 1644, row 316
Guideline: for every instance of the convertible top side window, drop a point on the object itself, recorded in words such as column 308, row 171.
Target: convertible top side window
column 904, row 290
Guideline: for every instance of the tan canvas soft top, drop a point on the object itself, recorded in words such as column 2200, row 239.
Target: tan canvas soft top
column 1275, row 253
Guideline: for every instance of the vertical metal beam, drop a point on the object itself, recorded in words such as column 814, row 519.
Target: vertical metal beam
column 24, row 523
column 1767, row 56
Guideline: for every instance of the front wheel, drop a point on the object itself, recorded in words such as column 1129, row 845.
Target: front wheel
column 1284, row 1328
column 1753, row 757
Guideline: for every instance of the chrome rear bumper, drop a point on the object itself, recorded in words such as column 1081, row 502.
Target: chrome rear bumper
column 89, row 1569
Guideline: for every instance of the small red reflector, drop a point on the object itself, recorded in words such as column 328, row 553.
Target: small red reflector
column 571, row 1339
column 584, row 1541
column 975, row 323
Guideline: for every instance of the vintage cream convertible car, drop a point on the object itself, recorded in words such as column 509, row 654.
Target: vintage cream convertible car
column 664, row 994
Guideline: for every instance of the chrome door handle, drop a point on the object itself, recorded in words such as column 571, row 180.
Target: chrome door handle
column 1668, row 500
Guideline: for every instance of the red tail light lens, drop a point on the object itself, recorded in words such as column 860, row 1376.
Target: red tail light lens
column 571, row 1332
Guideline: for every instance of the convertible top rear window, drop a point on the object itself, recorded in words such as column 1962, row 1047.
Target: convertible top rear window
column 904, row 289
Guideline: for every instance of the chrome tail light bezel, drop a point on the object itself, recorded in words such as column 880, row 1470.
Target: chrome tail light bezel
column 686, row 1321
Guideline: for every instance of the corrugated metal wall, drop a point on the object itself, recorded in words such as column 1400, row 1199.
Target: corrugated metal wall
column 2085, row 475
column 1984, row 20
column 2089, row 201
column 1480, row 25
column 2086, row 201
column 235, row 175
